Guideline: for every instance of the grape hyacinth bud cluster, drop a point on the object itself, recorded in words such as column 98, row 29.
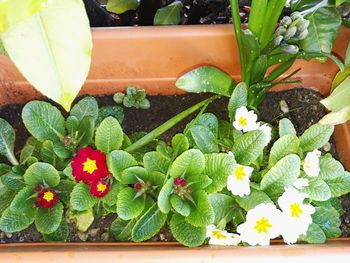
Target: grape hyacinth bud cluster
column 292, row 28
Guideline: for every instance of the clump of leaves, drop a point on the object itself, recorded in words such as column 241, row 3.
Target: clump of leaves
column 133, row 98
column 308, row 33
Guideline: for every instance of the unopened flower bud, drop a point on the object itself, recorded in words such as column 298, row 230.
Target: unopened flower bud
column 286, row 21
column 278, row 40
column 295, row 15
column 303, row 35
column 303, row 25
column 280, row 31
column 291, row 49
column 290, row 32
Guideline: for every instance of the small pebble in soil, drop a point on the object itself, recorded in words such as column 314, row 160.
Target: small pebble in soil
column 327, row 147
column 105, row 236
column 83, row 236
column 284, row 106
column 93, row 232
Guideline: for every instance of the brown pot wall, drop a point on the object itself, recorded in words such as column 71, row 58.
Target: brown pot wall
column 152, row 58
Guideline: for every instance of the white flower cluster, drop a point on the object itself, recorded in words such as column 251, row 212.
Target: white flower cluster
column 266, row 222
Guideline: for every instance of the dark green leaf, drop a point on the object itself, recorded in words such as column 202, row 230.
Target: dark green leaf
column 128, row 205
column 238, row 99
column 168, row 15
column 85, row 107
column 121, row 229
column 48, row 220
column 81, row 199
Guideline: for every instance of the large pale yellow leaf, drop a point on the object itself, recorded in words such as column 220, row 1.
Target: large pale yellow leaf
column 52, row 49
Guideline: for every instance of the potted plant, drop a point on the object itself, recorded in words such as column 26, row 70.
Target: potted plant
column 177, row 184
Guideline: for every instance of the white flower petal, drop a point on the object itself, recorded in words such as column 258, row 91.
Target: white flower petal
column 311, row 164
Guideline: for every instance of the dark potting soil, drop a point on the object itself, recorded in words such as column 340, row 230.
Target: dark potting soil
column 192, row 12
column 301, row 106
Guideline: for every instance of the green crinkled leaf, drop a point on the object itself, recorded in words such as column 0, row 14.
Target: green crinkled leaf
column 191, row 162
column 223, row 206
column 121, row 229
column 204, row 139
column 64, row 189
column 6, row 197
column 81, row 199
column 109, row 135
column 249, row 147
column 41, row 174
column 328, row 220
column 210, row 121
column 323, row 30
column 286, row 127
column 238, row 99
column 26, row 153
column 86, row 131
column 13, row 181
column 180, row 206
column 202, row 214
column 164, row 196
column 149, row 224
column 154, row 161
column 314, row 235
column 180, row 143
column 48, row 220
column 24, row 200
column 315, row 137
column 121, row 6
column 112, row 196
column 85, row 107
column 118, row 161
column 168, row 15
column 114, row 111
column 287, row 144
column 128, row 206
column 330, row 168
column 186, row 233
column 7, row 141
column 339, row 186
column 317, row 190
column 60, row 235
column 59, row 39
column 255, row 198
column 43, row 121
column 218, row 166
column 48, row 155
column 207, row 79
column 11, row 221
column 283, row 174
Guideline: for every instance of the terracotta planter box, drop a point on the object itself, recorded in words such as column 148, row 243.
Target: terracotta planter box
column 152, row 58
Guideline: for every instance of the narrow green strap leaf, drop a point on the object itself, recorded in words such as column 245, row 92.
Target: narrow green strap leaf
column 257, row 16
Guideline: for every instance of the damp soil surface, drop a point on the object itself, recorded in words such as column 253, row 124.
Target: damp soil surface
column 301, row 106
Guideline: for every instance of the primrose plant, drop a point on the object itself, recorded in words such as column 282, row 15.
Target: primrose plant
column 221, row 182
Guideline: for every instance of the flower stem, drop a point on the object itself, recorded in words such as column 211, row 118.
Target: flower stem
column 169, row 124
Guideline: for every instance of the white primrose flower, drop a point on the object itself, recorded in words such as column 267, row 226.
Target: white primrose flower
column 311, row 164
column 245, row 120
column 266, row 129
column 238, row 181
column 222, row 237
column 296, row 214
column 301, row 183
column 262, row 224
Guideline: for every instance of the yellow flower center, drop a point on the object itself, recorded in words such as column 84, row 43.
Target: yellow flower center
column 90, row 166
column 243, row 121
column 101, row 187
column 218, row 234
column 239, row 173
column 48, row 196
column 262, row 225
column 295, row 210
